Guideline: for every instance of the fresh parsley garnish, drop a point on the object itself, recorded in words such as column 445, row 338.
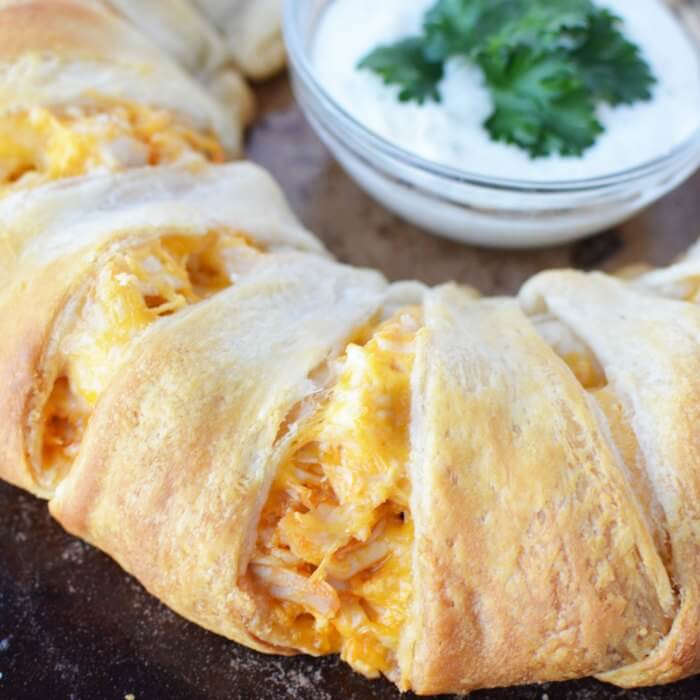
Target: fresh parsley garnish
column 547, row 64
column 610, row 65
column 459, row 27
column 406, row 65
column 472, row 27
column 540, row 104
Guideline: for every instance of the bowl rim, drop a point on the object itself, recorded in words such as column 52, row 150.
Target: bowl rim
column 301, row 64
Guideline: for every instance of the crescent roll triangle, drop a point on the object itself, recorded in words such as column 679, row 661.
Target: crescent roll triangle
column 253, row 32
column 450, row 491
column 88, row 252
column 211, row 369
column 532, row 558
column 178, row 28
column 77, row 79
column 649, row 349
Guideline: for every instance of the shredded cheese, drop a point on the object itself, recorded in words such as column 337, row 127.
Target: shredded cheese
column 335, row 537
column 41, row 144
column 132, row 290
column 586, row 369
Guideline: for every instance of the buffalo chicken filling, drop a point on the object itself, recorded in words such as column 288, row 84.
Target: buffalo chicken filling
column 334, row 545
column 41, row 144
column 131, row 291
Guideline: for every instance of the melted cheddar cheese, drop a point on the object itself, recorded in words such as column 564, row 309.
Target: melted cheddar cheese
column 39, row 144
column 687, row 289
column 131, row 291
column 572, row 349
column 586, row 369
column 335, row 537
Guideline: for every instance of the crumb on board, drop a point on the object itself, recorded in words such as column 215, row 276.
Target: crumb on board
column 129, row 696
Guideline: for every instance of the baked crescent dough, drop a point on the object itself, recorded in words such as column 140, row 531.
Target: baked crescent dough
column 56, row 240
column 532, row 559
column 649, row 349
column 253, row 30
column 72, row 53
column 451, row 491
column 212, row 370
column 178, row 28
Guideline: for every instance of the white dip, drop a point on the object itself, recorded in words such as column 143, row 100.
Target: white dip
column 451, row 132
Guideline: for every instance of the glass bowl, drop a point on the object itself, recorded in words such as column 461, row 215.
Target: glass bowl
column 468, row 207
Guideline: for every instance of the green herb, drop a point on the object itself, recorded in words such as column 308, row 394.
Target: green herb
column 459, row 27
column 472, row 27
column 541, row 105
column 610, row 65
column 547, row 64
column 406, row 65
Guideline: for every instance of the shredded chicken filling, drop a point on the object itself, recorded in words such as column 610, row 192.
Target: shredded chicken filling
column 334, row 544
column 40, row 144
column 135, row 288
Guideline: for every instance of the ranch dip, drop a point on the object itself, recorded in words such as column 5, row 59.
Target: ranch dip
column 452, row 133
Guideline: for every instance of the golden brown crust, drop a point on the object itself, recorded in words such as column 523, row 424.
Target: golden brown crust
column 57, row 237
column 23, row 347
column 61, row 26
column 66, row 53
column 532, row 560
column 555, row 505
column 180, row 452
column 649, row 348
column 179, row 29
column 59, row 219
column 36, row 306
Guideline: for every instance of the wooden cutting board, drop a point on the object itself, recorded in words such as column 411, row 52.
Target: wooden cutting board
column 75, row 626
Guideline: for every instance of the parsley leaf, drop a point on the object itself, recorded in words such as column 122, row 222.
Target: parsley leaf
column 546, row 63
column 469, row 27
column 405, row 64
column 455, row 27
column 610, row 65
column 540, row 104
column 543, row 25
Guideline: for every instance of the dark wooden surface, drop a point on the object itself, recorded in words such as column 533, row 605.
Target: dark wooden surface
column 74, row 626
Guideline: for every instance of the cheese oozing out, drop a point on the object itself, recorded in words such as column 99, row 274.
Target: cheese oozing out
column 334, row 544
column 131, row 291
column 43, row 144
